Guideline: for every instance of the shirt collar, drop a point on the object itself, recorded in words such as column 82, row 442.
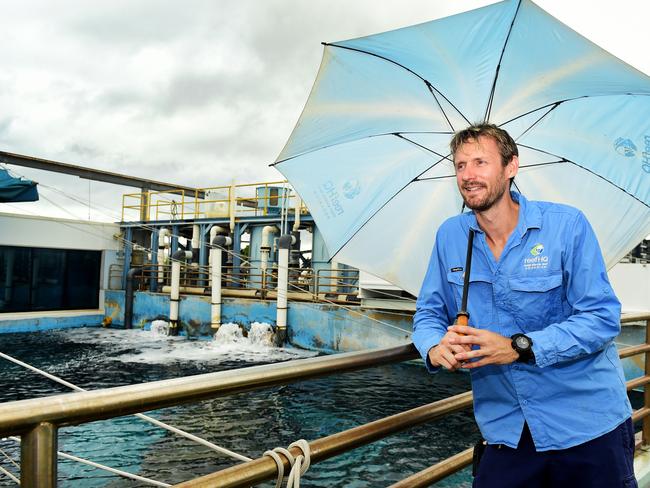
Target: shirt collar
column 529, row 216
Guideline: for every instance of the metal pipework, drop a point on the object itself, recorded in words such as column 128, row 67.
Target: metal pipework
column 38, row 452
column 296, row 221
column 19, row 417
column 196, row 243
column 174, row 296
column 284, row 245
column 264, row 468
column 265, row 247
column 164, row 232
column 216, row 258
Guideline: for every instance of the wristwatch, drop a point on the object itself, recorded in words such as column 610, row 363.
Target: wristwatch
column 523, row 345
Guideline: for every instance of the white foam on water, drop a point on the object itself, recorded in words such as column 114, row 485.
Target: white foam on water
column 141, row 346
column 261, row 333
column 229, row 334
column 159, row 328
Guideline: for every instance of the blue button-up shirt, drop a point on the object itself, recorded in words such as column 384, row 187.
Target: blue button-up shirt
column 549, row 283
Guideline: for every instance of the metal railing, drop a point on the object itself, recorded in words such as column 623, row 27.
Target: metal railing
column 251, row 199
column 37, row 420
column 338, row 285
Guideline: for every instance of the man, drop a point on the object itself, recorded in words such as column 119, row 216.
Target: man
column 549, row 392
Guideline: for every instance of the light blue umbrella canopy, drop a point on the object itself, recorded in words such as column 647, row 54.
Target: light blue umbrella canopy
column 370, row 152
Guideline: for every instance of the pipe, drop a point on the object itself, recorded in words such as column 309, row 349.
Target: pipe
column 265, row 247
column 196, row 242
column 216, row 252
column 174, row 296
column 128, row 298
column 334, row 278
column 233, row 207
column 296, row 221
column 284, row 244
column 164, row 232
column 215, row 230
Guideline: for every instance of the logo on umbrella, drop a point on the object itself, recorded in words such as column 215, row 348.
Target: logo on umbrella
column 351, row 189
column 537, row 249
column 625, row 147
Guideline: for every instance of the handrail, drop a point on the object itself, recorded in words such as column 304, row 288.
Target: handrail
column 38, row 420
column 75, row 408
column 264, row 468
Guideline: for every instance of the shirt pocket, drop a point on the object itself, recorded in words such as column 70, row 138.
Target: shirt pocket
column 479, row 295
column 535, row 302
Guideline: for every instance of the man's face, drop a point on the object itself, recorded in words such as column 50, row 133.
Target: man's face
column 481, row 176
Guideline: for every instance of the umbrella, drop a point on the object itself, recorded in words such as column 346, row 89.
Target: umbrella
column 370, row 158
column 16, row 189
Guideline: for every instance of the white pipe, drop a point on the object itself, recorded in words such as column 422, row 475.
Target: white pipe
column 334, row 279
column 265, row 247
column 196, row 236
column 174, row 296
column 164, row 232
column 283, row 283
column 233, row 207
column 296, row 221
column 214, row 230
column 215, row 283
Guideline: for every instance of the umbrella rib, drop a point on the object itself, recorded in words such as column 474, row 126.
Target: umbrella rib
column 588, row 171
column 559, row 102
column 391, row 198
column 488, row 109
column 426, row 82
column 326, row 146
column 539, row 120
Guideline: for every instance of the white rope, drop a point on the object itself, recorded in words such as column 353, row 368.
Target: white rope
column 142, row 416
column 9, row 458
column 7, row 473
column 124, row 474
column 299, row 465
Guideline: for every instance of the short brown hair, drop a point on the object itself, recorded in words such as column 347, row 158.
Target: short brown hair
column 505, row 143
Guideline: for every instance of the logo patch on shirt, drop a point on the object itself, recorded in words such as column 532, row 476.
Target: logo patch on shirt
column 537, row 261
column 454, row 270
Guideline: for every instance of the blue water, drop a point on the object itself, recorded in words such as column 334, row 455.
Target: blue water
column 248, row 423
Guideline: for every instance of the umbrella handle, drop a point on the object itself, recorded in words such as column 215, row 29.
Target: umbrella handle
column 462, row 319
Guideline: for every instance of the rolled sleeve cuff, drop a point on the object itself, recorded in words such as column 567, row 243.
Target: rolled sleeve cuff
column 423, row 347
column 545, row 354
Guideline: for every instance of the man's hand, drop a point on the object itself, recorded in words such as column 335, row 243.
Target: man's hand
column 443, row 355
column 493, row 348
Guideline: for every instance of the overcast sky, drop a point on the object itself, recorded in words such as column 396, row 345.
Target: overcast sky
column 199, row 93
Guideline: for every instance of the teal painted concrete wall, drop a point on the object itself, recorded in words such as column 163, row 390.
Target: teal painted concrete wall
column 315, row 326
column 41, row 323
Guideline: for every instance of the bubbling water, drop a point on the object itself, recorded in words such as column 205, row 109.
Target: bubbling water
column 159, row 328
column 261, row 333
column 229, row 334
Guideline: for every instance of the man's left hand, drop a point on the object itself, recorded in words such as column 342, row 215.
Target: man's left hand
column 493, row 348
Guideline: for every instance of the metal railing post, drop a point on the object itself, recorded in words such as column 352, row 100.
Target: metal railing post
column 38, row 450
column 645, row 437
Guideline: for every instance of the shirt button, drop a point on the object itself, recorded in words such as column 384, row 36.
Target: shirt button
column 525, row 402
column 515, row 366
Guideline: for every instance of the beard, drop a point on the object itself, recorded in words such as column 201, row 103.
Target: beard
column 492, row 196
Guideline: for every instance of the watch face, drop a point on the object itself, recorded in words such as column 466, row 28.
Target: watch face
column 522, row 342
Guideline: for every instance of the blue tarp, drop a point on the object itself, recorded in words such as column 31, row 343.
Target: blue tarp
column 16, row 189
